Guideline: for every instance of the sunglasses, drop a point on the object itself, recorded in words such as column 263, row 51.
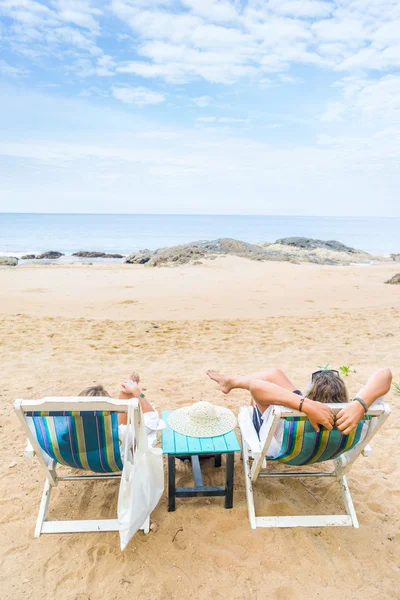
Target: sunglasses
column 324, row 371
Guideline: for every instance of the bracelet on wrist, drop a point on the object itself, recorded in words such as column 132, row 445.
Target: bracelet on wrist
column 362, row 402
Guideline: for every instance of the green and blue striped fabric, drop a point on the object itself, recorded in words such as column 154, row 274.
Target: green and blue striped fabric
column 302, row 445
column 81, row 440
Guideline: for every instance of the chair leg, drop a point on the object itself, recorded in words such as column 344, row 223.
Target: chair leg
column 44, row 504
column 249, row 487
column 348, row 501
column 218, row 460
column 146, row 526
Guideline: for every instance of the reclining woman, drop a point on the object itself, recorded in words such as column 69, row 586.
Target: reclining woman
column 131, row 389
column 273, row 387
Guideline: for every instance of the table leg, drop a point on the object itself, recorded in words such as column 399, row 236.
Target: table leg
column 230, row 461
column 171, row 483
column 217, row 460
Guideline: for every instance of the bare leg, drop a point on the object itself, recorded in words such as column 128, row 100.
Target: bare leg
column 227, row 383
column 274, row 387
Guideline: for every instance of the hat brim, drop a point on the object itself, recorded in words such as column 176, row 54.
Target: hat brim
column 180, row 421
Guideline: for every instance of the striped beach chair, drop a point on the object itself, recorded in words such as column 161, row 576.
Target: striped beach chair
column 77, row 432
column 299, row 445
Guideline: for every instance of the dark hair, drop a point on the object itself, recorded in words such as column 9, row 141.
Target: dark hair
column 94, row 390
column 328, row 387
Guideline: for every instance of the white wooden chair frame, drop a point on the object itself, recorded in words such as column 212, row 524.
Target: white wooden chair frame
column 255, row 465
column 49, row 466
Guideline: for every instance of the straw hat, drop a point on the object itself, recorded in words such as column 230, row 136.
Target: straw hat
column 202, row 420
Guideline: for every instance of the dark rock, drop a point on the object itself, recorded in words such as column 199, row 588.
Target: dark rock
column 231, row 246
column 177, row 255
column 395, row 280
column 28, row 257
column 302, row 249
column 8, row 261
column 51, row 254
column 310, row 243
column 139, row 258
column 193, row 252
column 395, row 257
column 85, row 254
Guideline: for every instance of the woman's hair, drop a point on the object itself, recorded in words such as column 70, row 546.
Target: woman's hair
column 94, row 390
column 326, row 387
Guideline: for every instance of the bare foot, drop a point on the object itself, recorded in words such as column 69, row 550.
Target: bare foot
column 135, row 377
column 223, row 381
column 131, row 388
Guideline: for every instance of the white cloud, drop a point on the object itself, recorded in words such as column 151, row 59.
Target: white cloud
column 206, row 119
column 10, row 70
column 105, row 66
column 202, row 101
column 79, row 12
column 37, row 31
column 137, row 95
column 224, row 120
column 232, row 120
column 220, row 41
column 333, row 112
column 376, row 101
column 225, row 41
column 213, row 10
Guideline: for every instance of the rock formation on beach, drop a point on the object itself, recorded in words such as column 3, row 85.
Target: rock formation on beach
column 395, row 280
column 312, row 244
column 8, row 261
column 395, row 257
column 319, row 252
column 87, row 254
column 51, row 254
column 287, row 249
column 139, row 258
column 176, row 255
column 291, row 249
column 235, row 248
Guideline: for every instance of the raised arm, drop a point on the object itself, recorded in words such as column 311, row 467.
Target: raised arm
column 377, row 385
column 266, row 394
column 130, row 389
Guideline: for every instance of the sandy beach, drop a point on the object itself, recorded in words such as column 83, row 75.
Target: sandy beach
column 64, row 327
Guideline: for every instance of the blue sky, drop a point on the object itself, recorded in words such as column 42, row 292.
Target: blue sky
column 200, row 106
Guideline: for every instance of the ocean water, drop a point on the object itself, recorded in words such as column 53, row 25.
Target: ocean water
column 34, row 233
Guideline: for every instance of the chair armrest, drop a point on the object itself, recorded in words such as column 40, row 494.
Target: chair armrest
column 367, row 450
column 29, row 452
column 247, row 430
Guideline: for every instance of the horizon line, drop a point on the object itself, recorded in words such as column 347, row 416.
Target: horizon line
column 202, row 215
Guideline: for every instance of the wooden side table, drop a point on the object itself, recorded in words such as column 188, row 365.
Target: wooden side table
column 176, row 445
